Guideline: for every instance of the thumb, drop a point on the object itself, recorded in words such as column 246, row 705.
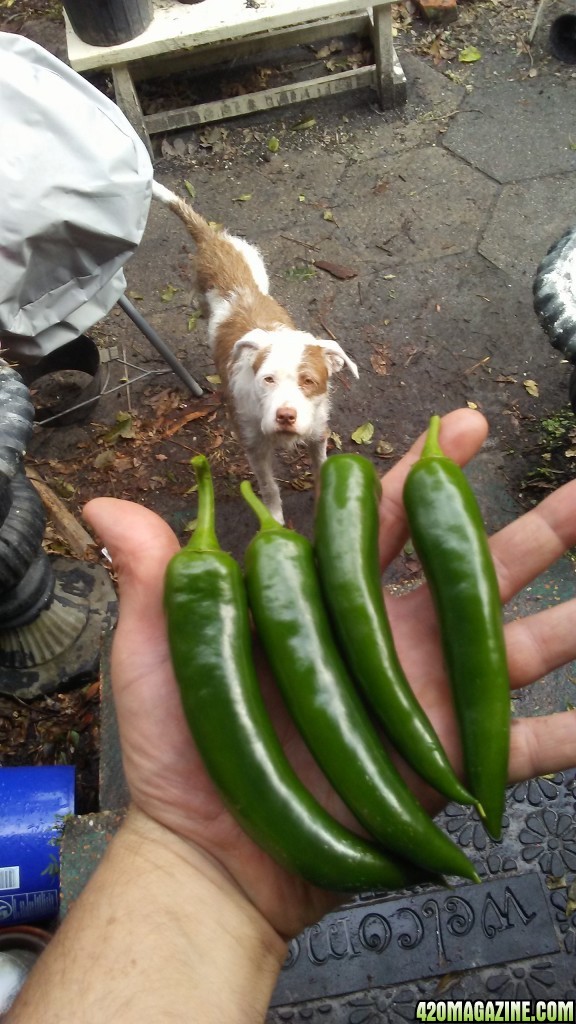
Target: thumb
column 140, row 545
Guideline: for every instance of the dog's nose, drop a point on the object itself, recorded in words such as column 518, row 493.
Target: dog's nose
column 286, row 416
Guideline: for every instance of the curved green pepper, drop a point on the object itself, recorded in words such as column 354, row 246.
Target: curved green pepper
column 346, row 548
column 450, row 539
column 211, row 650
column 293, row 626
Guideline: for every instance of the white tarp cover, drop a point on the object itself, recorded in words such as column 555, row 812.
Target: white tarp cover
column 75, row 189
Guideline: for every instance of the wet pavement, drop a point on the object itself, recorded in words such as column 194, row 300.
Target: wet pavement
column 441, row 211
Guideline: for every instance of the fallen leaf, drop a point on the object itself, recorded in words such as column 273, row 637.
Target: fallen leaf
column 216, row 442
column 328, row 215
column 363, row 434
column 336, row 440
column 342, row 273
column 273, row 144
column 384, row 450
column 335, row 46
column 243, row 198
column 445, row 982
column 436, row 50
column 532, row 388
column 164, row 402
column 469, row 54
column 214, row 378
column 179, row 147
column 301, row 273
column 196, row 414
column 124, row 427
column 190, row 189
column 379, row 360
column 302, row 483
column 472, row 405
column 303, row 125
column 555, row 882
column 168, row 294
column 104, row 460
column 571, row 900
column 212, row 136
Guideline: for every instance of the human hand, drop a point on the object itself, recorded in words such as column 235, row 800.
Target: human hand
column 165, row 775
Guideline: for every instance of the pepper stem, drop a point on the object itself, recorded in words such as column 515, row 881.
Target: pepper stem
column 264, row 516
column 432, row 449
column 204, row 537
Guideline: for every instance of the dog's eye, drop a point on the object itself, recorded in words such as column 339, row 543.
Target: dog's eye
column 309, row 382
column 269, row 379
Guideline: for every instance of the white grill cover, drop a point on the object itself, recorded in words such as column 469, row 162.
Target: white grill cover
column 75, row 189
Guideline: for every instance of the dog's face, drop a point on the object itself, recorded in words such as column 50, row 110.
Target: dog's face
column 281, row 379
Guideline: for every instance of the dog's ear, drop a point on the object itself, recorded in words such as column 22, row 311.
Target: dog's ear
column 336, row 357
column 256, row 340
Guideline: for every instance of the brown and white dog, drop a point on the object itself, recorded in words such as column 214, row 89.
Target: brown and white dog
column 275, row 377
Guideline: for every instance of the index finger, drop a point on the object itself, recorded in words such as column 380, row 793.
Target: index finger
column 462, row 434
column 530, row 544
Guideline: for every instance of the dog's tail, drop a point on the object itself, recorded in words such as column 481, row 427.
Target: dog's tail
column 197, row 226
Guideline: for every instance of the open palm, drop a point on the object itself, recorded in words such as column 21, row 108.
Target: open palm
column 165, row 775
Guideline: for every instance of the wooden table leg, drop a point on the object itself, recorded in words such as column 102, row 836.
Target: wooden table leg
column 127, row 100
column 391, row 92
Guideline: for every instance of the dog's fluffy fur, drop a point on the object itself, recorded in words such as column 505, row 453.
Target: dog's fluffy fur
column 276, row 378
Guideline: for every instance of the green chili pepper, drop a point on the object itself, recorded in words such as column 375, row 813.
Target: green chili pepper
column 211, row 649
column 450, row 539
column 346, row 547
column 293, row 626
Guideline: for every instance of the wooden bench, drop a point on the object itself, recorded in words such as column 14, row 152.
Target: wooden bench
column 183, row 36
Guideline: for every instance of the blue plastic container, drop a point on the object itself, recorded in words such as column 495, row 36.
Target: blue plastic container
column 33, row 804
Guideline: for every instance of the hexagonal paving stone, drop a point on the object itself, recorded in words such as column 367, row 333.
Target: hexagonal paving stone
column 519, row 112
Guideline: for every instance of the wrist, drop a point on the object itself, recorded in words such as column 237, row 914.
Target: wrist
column 156, row 844
column 214, row 918
column 160, row 927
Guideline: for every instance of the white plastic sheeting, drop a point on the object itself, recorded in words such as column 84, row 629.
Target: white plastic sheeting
column 75, row 189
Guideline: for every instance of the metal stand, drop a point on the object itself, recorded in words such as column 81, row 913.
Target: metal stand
column 160, row 346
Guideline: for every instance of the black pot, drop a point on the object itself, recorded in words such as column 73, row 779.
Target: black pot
column 82, row 355
column 108, row 22
column 563, row 38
